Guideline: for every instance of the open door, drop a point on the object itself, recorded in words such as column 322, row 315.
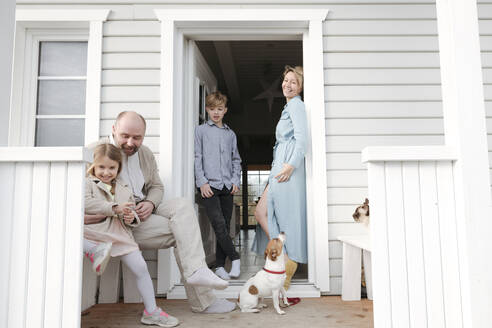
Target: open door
column 200, row 81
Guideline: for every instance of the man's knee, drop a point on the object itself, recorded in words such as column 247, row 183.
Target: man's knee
column 177, row 206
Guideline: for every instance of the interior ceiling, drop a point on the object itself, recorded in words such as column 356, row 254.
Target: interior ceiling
column 245, row 69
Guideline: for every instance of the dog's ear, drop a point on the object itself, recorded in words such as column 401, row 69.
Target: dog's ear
column 266, row 252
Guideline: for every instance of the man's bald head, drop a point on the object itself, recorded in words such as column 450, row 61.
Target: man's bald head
column 130, row 115
column 129, row 131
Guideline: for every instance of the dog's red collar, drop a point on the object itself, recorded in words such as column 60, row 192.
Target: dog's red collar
column 274, row 272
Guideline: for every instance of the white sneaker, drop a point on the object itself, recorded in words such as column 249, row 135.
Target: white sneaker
column 159, row 318
column 99, row 257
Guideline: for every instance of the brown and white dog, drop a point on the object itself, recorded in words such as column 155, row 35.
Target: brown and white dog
column 267, row 282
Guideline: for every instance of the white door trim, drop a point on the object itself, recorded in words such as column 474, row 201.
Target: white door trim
column 178, row 24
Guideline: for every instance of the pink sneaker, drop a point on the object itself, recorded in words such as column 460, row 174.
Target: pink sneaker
column 159, row 318
column 100, row 257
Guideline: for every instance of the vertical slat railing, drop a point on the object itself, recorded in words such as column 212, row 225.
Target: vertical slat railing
column 42, row 196
column 415, row 262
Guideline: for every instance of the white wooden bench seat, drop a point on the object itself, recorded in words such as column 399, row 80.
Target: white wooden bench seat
column 353, row 247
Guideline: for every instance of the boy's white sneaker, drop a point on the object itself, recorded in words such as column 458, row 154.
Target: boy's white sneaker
column 159, row 318
column 99, row 256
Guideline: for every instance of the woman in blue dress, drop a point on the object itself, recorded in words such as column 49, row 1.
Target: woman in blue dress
column 282, row 207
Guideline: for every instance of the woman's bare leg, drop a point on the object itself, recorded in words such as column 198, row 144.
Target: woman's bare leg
column 261, row 212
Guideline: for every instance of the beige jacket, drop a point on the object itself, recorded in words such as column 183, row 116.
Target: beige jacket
column 98, row 199
column 153, row 188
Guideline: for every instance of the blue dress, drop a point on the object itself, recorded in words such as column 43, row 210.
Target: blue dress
column 287, row 200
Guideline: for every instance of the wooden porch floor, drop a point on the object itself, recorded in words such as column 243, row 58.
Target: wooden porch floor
column 327, row 311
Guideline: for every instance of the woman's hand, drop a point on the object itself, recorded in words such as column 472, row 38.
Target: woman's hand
column 285, row 173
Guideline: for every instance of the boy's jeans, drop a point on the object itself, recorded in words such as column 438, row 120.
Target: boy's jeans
column 219, row 212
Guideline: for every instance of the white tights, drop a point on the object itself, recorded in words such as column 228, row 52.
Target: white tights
column 136, row 263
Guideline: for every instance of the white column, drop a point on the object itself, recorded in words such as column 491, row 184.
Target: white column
column 7, row 27
column 465, row 129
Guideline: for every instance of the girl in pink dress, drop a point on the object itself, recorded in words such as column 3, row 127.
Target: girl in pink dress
column 107, row 230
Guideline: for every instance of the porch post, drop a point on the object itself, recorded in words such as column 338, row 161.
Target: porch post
column 465, row 129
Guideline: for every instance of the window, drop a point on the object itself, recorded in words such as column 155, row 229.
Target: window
column 56, row 77
column 61, row 85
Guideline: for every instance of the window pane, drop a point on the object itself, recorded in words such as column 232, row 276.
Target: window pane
column 61, row 97
column 62, row 58
column 59, row 132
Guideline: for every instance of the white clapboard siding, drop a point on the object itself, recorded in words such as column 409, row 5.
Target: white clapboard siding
column 121, row 44
column 359, row 76
column 406, row 126
column 376, row 27
column 380, row 43
column 43, row 191
column 385, row 59
column 485, row 28
column 383, row 109
column 414, row 241
column 144, row 60
column 130, row 94
column 382, row 87
column 148, row 110
column 138, row 77
column 132, row 28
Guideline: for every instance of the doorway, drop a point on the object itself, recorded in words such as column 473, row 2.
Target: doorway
column 241, row 24
column 250, row 74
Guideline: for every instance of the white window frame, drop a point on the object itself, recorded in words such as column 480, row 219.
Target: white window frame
column 33, row 26
column 178, row 25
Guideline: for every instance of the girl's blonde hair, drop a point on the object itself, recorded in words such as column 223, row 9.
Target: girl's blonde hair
column 106, row 150
column 298, row 72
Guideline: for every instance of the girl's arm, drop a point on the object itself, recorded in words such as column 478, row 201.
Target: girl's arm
column 94, row 205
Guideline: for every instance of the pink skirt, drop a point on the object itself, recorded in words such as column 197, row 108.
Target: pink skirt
column 112, row 230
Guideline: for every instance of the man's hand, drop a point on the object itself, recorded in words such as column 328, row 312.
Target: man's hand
column 144, row 209
column 206, row 191
column 285, row 174
column 93, row 218
column 235, row 189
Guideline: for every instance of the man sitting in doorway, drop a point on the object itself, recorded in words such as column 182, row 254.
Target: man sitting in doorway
column 169, row 223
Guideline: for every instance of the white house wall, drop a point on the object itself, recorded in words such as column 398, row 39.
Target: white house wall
column 485, row 28
column 382, row 86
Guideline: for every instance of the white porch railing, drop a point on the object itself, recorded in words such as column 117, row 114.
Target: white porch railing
column 415, row 248
column 41, row 193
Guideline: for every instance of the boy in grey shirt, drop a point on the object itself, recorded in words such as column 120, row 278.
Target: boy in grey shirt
column 217, row 174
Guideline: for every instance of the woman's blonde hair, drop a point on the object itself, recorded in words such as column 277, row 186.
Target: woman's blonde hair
column 298, row 71
column 108, row 150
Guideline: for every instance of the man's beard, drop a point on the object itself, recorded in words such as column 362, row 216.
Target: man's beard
column 129, row 151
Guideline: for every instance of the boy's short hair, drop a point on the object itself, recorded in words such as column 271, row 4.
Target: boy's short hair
column 215, row 99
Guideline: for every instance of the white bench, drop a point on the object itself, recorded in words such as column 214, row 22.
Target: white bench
column 353, row 247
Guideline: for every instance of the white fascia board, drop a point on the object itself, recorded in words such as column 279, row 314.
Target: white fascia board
column 58, row 15
column 45, row 154
column 241, row 14
column 408, row 153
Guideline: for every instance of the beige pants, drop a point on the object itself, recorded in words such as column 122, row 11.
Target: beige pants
column 176, row 225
